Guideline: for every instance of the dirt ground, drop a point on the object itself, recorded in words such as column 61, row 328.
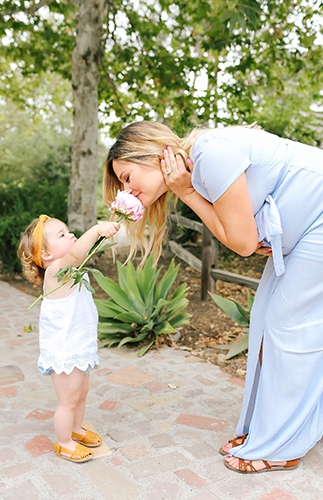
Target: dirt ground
column 209, row 327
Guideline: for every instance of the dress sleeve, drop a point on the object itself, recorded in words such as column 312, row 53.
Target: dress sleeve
column 218, row 162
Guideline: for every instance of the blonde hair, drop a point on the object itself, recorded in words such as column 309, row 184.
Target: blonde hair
column 143, row 143
column 27, row 254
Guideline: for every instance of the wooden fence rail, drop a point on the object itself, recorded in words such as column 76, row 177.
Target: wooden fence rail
column 208, row 265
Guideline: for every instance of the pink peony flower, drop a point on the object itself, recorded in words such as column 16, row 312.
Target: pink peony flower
column 127, row 206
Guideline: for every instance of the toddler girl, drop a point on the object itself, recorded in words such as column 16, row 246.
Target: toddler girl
column 67, row 326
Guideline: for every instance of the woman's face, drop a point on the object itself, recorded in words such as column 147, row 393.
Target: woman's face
column 146, row 183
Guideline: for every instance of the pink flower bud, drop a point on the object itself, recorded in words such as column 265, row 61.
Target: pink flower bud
column 127, row 206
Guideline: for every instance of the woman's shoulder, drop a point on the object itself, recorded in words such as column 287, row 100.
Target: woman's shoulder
column 231, row 139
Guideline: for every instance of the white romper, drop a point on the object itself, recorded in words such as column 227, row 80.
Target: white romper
column 68, row 332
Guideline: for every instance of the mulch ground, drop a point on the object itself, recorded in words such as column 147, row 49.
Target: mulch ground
column 209, row 328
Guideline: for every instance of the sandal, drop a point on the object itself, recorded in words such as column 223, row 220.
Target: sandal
column 246, row 467
column 80, row 454
column 90, row 439
column 238, row 441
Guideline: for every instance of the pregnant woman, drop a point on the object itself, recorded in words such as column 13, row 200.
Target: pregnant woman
column 256, row 192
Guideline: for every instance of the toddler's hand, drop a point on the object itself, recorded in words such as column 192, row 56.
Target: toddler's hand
column 108, row 229
column 263, row 250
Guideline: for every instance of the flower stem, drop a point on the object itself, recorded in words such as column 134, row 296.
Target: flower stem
column 73, row 274
column 41, row 296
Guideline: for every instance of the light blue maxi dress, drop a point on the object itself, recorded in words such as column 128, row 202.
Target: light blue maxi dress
column 283, row 403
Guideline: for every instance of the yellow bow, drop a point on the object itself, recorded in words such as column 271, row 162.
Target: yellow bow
column 38, row 235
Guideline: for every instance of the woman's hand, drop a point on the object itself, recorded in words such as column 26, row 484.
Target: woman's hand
column 176, row 177
column 263, row 250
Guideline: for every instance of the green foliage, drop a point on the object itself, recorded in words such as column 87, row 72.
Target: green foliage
column 138, row 309
column 34, row 163
column 259, row 60
column 42, row 39
column 240, row 316
column 20, row 203
column 68, row 273
column 276, row 78
column 35, row 139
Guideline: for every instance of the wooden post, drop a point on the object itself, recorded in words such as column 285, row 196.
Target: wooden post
column 208, row 260
column 214, row 264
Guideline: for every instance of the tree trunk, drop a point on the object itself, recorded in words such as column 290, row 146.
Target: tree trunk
column 85, row 80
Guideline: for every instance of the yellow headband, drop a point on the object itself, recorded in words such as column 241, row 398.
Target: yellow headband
column 38, row 235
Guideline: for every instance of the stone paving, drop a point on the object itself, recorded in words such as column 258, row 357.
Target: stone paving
column 162, row 417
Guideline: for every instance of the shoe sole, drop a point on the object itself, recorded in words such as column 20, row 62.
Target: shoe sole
column 76, row 461
column 87, row 445
column 272, row 469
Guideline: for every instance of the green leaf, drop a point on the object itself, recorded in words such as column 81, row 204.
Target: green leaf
column 107, row 308
column 164, row 327
column 109, row 343
column 131, row 317
column 127, row 340
column 174, row 308
column 77, row 277
column 238, row 346
column 93, row 271
column 146, row 347
column 125, row 307
column 160, row 304
column 139, row 281
column 149, row 279
column 62, row 273
column 115, row 328
column 122, row 277
column 250, row 301
column 232, row 308
column 148, row 327
column 180, row 319
column 148, row 272
column 180, row 291
column 226, row 347
column 117, row 294
column 243, row 311
column 96, row 245
column 150, row 300
column 132, row 282
column 167, row 281
column 87, row 285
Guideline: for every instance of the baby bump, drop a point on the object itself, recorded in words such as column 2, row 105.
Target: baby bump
column 299, row 200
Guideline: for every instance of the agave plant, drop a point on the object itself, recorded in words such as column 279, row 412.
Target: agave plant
column 240, row 316
column 138, row 309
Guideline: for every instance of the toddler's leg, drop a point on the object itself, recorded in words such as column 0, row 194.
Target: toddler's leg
column 80, row 408
column 68, row 389
column 81, row 435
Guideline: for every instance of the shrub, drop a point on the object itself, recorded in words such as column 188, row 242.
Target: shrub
column 138, row 309
column 240, row 316
column 21, row 202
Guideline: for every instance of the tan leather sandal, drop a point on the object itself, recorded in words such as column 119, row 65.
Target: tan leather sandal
column 80, row 454
column 238, row 441
column 90, row 439
column 246, row 467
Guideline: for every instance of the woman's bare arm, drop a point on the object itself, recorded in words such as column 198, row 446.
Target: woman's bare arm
column 230, row 218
